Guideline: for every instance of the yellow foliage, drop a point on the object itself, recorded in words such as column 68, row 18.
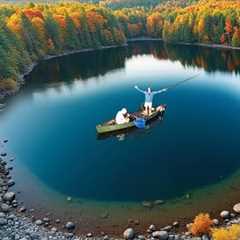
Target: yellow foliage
column 8, row 85
column 201, row 224
column 231, row 233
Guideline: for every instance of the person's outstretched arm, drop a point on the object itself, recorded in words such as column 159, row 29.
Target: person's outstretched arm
column 140, row 90
column 160, row 91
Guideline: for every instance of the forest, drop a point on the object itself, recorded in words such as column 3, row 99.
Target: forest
column 30, row 32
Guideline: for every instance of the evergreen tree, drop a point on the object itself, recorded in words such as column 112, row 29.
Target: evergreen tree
column 53, row 32
column 71, row 39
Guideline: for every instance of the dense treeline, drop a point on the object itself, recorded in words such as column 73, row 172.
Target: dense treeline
column 33, row 31
column 29, row 33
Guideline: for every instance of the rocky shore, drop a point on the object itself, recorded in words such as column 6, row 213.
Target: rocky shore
column 15, row 225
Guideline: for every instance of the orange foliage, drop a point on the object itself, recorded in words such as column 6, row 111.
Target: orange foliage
column 134, row 29
column 31, row 13
column 228, row 25
column 201, row 224
column 14, row 23
column 75, row 16
column 94, row 19
column 60, row 20
column 222, row 39
column 153, row 21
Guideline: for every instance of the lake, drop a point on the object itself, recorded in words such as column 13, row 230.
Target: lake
column 189, row 159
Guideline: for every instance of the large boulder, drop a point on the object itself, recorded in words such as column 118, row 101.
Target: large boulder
column 129, row 233
column 9, row 196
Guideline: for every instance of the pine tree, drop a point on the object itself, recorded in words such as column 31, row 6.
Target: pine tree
column 71, row 39
column 53, row 32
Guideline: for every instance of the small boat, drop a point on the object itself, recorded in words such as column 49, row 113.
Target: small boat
column 111, row 126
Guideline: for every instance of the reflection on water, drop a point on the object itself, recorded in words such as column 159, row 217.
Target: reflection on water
column 69, row 68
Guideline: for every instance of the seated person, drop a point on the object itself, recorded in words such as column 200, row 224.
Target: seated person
column 122, row 116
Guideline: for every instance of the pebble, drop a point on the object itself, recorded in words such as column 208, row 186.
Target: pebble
column 22, row 209
column 5, row 207
column 106, row 237
column 3, row 221
column 89, row 235
column 215, row 222
column 167, row 228
column 38, row 222
column 128, row 233
column 205, row 237
column 225, row 214
column 152, row 227
column 57, row 221
column 69, row 226
column 162, row 235
column 46, row 219
column 236, row 208
column 176, row 224
column 53, row 229
column 2, row 215
column 11, row 183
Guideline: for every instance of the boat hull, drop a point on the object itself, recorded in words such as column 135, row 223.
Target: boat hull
column 109, row 128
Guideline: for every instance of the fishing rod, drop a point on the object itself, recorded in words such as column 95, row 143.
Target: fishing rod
column 181, row 82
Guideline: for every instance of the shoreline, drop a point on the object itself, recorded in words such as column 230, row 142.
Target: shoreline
column 218, row 46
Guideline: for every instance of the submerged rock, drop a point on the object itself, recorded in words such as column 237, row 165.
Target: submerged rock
column 129, row 233
column 158, row 202
column 147, row 204
column 105, row 215
column 11, row 183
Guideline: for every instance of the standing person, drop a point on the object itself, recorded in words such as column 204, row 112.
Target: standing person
column 149, row 94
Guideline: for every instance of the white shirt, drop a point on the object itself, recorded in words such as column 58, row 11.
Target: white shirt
column 120, row 119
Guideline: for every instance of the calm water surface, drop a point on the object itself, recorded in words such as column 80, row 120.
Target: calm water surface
column 51, row 130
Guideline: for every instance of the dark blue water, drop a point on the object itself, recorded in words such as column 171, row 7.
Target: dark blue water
column 51, row 123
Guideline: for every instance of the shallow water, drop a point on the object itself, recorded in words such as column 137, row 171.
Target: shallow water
column 51, row 130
